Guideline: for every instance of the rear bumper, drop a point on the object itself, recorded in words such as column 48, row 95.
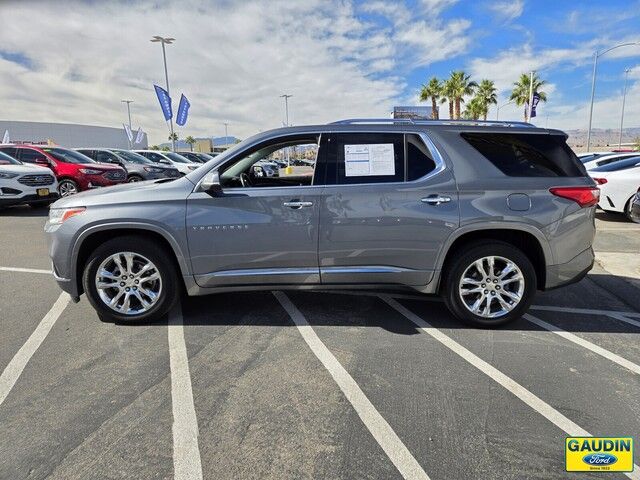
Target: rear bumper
column 572, row 271
column 6, row 201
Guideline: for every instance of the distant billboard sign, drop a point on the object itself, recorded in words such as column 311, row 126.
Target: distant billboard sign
column 415, row 112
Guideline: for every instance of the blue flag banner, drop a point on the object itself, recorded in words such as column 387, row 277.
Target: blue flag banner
column 165, row 102
column 183, row 111
column 534, row 104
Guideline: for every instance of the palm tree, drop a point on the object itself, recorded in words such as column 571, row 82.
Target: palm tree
column 432, row 91
column 448, row 95
column 475, row 109
column 487, row 94
column 173, row 136
column 191, row 141
column 521, row 90
column 461, row 86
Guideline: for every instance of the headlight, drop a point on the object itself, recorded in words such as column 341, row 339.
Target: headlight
column 58, row 216
column 8, row 175
column 192, row 167
column 153, row 169
column 90, row 171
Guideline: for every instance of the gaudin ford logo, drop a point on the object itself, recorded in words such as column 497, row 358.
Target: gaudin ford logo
column 220, row 228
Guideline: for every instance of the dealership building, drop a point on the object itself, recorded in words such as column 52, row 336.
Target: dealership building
column 68, row 134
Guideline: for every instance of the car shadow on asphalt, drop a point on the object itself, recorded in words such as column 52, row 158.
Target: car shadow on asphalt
column 22, row 211
column 366, row 309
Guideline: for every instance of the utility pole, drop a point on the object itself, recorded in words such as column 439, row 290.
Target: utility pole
column 226, row 133
column 624, row 98
column 530, row 94
column 128, row 102
column 167, row 41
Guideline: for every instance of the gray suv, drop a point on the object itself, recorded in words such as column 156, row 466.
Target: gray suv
column 482, row 213
column 138, row 167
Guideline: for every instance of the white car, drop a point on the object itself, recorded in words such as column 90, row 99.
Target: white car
column 26, row 184
column 601, row 160
column 176, row 160
column 618, row 182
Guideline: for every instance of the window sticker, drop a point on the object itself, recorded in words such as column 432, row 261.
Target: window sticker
column 369, row 159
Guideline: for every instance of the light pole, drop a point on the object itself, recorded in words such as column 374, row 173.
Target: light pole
column 128, row 102
column 286, row 106
column 624, row 98
column 597, row 55
column 167, row 41
column 226, row 134
column 498, row 107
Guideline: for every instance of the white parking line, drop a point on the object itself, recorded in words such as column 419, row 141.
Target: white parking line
column 397, row 452
column 186, row 454
column 17, row 364
column 622, row 318
column 623, row 362
column 24, row 270
column 511, row 385
column 584, row 311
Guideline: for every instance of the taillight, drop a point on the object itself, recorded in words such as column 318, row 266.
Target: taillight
column 583, row 196
column 601, row 181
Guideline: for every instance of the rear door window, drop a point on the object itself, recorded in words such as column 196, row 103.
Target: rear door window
column 31, row 156
column 527, row 155
column 11, row 151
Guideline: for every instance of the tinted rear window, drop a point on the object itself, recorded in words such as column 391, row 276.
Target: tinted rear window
column 527, row 155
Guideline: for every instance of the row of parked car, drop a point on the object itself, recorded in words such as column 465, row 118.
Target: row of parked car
column 38, row 175
column 618, row 176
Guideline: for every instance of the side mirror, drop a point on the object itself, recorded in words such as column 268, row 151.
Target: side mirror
column 42, row 161
column 211, row 183
column 165, row 161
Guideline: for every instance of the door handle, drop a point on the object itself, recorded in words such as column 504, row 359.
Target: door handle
column 435, row 199
column 296, row 204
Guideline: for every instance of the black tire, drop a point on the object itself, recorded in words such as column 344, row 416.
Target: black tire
column 471, row 253
column 147, row 248
column 627, row 209
column 134, row 178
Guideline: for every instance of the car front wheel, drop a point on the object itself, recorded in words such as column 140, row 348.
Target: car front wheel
column 67, row 187
column 490, row 284
column 129, row 280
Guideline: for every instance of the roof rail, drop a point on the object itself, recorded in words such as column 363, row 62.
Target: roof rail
column 393, row 121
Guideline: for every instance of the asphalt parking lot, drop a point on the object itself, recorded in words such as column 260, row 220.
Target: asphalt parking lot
column 275, row 385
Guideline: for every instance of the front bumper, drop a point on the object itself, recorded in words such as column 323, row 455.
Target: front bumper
column 571, row 272
column 7, row 200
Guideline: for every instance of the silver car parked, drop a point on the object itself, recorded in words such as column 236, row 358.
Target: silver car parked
column 482, row 213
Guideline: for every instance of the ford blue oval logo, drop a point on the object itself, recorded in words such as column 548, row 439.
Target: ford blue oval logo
column 599, row 459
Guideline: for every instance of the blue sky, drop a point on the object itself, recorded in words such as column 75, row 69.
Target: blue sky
column 338, row 58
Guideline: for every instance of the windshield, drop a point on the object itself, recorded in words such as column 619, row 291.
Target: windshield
column 619, row 165
column 8, row 160
column 176, row 158
column 133, row 157
column 68, row 156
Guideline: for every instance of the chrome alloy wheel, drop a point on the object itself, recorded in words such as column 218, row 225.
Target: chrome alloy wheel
column 67, row 188
column 128, row 283
column 491, row 287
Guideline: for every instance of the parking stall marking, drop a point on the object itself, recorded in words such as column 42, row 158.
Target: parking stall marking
column 397, row 452
column 533, row 401
column 186, row 453
column 623, row 362
column 625, row 319
column 25, row 270
column 17, row 364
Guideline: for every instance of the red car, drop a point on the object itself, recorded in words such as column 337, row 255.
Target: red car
column 75, row 172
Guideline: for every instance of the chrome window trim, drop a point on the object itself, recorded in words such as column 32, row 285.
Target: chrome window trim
column 435, row 153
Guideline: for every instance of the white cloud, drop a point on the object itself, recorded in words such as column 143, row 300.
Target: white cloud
column 507, row 11
column 232, row 59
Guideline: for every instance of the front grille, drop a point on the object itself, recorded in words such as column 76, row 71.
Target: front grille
column 36, row 180
column 114, row 175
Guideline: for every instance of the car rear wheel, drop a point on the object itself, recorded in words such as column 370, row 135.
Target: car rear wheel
column 127, row 280
column 491, row 283
column 67, row 187
column 134, row 178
